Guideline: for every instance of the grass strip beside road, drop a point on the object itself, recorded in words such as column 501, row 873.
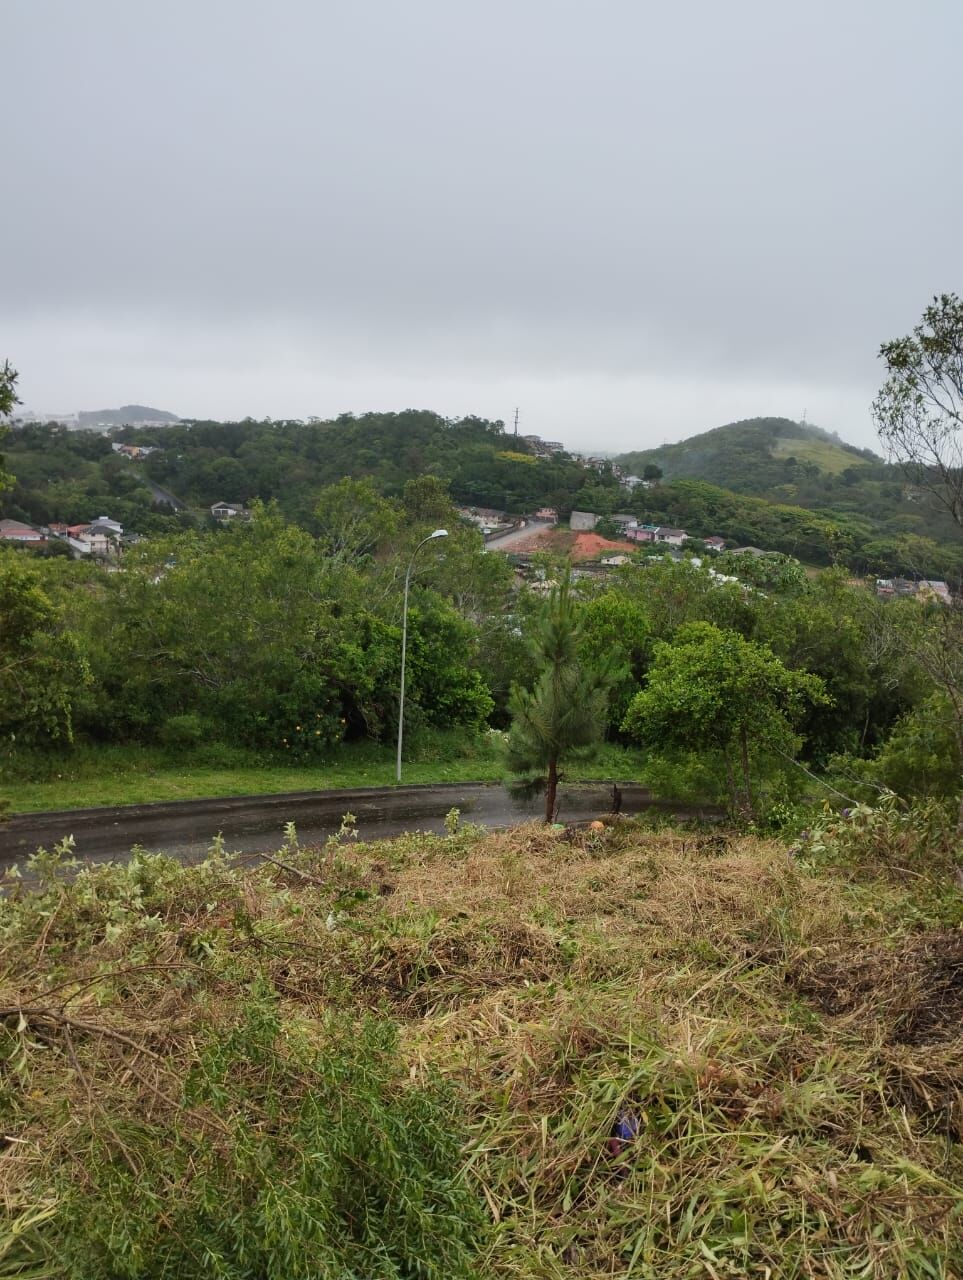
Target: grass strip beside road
column 116, row 775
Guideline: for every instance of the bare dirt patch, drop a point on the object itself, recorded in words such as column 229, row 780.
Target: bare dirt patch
column 913, row 992
column 589, row 546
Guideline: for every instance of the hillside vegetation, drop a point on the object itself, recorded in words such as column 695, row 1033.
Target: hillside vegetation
column 881, row 522
column 757, row 456
column 774, row 483
column 536, row 1054
column 62, row 475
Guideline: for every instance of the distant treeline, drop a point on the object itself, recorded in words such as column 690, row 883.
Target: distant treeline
column 834, row 504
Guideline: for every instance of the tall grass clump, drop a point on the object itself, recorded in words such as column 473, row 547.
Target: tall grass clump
column 174, row 1113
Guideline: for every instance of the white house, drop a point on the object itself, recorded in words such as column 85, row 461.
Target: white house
column 229, row 511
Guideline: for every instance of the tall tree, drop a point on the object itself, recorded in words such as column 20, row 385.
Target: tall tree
column 8, row 398
column 919, row 415
column 353, row 519
column 919, row 411
column 564, row 712
column 42, row 671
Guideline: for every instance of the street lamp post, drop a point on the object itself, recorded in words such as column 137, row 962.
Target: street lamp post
column 439, row 533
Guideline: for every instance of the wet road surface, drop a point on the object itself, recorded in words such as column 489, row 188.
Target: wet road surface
column 255, row 824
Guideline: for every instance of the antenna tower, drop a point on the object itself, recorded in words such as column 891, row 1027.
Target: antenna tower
column 516, row 423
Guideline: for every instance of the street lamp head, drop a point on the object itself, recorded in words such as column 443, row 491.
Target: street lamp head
column 440, row 533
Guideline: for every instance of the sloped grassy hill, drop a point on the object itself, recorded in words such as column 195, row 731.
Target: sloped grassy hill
column 761, row 456
column 411, row 1058
column 792, row 464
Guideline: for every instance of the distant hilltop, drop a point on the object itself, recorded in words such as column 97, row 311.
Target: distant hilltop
column 128, row 415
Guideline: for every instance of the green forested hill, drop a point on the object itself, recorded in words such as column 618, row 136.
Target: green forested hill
column 75, row 476
column 773, row 458
column 770, row 482
column 793, row 464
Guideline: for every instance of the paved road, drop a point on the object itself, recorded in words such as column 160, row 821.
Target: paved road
column 509, row 540
column 162, row 495
column 254, row 824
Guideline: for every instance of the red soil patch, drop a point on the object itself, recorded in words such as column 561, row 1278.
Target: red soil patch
column 544, row 539
column 588, row 546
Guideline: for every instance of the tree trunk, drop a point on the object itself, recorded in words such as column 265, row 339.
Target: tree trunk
column 731, row 784
column 551, row 789
column 744, row 753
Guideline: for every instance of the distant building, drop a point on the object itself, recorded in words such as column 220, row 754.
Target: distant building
column 103, row 524
column 928, row 589
column 935, row 590
column 487, row 519
column 134, row 451
column 583, row 521
column 16, row 531
column 625, row 522
column 547, row 513
column 632, row 482
column 674, row 537
column 229, row 511
column 715, row 543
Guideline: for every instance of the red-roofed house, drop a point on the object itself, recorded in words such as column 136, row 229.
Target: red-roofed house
column 15, row 531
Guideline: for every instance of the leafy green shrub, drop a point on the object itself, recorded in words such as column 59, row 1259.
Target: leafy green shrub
column 182, row 731
column 920, row 758
column 885, row 839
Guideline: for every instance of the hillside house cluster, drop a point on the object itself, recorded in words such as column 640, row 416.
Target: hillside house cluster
column 926, row 589
column 543, row 448
column 486, row 519
column 100, row 539
column 634, row 530
column 134, row 452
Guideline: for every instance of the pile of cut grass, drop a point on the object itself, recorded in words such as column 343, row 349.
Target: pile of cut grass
column 779, row 1047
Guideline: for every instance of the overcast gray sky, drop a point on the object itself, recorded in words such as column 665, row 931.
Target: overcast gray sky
column 635, row 220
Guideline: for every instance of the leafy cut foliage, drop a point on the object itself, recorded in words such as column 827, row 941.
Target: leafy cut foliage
column 201, row 1048
column 8, row 389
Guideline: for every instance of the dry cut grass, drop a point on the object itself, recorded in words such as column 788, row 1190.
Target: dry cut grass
column 675, row 1054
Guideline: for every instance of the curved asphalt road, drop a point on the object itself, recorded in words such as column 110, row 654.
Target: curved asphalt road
column 255, row 824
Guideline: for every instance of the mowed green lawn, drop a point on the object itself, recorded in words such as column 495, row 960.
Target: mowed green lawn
column 115, row 775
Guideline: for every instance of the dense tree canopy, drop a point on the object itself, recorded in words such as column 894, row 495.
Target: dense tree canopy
column 713, row 690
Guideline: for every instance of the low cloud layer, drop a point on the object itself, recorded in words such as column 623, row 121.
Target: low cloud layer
column 634, row 223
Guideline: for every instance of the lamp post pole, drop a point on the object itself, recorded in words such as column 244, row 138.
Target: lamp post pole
column 439, row 533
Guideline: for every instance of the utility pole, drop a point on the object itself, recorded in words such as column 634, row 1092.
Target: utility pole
column 439, row 533
column 516, row 422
